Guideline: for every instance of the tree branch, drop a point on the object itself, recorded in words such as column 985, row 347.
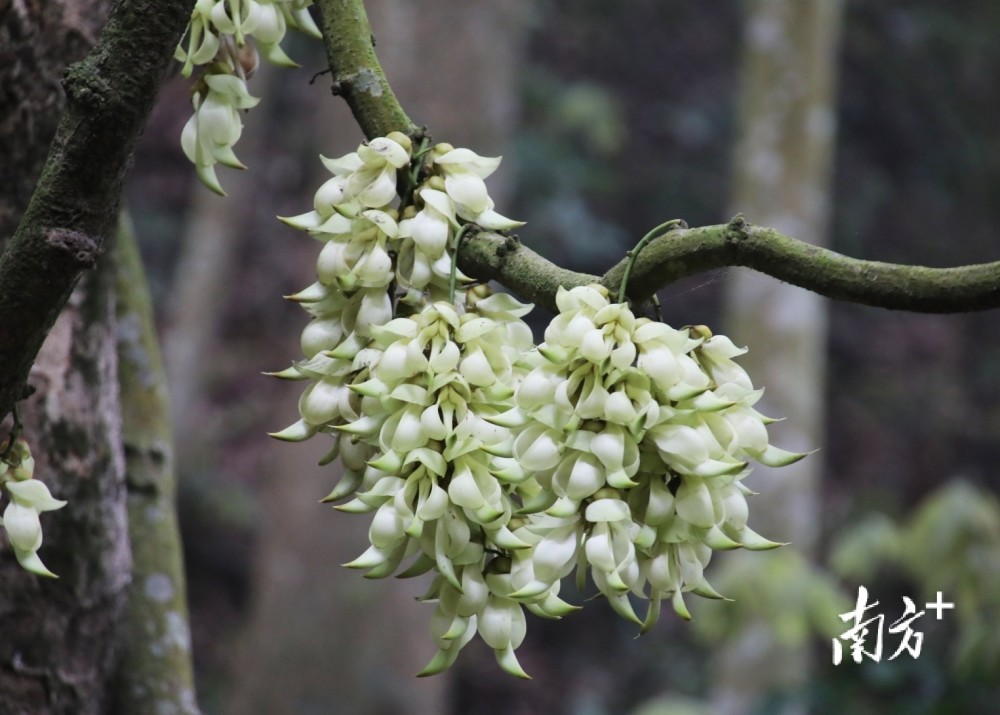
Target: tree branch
column 686, row 252
column 490, row 256
column 109, row 97
column 357, row 74
column 683, row 252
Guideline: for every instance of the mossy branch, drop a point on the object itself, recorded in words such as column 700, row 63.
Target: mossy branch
column 357, row 74
column 685, row 252
column 108, row 97
column 682, row 252
column 689, row 251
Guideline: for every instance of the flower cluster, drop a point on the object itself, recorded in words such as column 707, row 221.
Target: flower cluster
column 28, row 497
column 218, row 39
column 644, row 433
column 615, row 448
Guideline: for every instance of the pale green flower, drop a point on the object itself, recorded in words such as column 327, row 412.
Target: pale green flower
column 464, row 171
column 611, row 553
column 28, row 498
column 269, row 31
column 236, row 17
column 202, row 40
column 359, row 256
column 616, row 448
column 215, row 127
column 373, row 183
column 297, row 15
column 502, row 626
column 425, row 238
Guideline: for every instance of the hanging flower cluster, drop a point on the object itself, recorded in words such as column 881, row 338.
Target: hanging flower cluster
column 27, row 498
column 642, row 433
column 615, row 448
column 218, row 39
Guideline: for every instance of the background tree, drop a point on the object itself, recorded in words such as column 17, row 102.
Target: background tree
column 782, row 172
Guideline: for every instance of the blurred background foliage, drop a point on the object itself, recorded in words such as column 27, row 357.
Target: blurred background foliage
column 612, row 117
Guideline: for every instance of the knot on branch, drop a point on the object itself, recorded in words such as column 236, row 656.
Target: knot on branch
column 510, row 245
column 736, row 229
column 84, row 86
column 365, row 80
column 78, row 249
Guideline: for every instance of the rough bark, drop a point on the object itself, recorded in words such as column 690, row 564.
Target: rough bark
column 55, row 650
column 37, row 41
column 357, row 74
column 59, row 636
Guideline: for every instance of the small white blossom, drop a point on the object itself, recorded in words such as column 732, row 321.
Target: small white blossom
column 28, row 497
column 210, row 134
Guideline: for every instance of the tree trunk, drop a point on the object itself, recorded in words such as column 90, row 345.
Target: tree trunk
column 38, row 40
column 781, row 179
column 59, row 637
column 60, row 640
column 56, row 652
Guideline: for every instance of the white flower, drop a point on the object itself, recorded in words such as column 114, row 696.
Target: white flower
column 373, row 183
column 502, row 626
column 271, row 25
column 236, row 17
column 28, row 498
column 464, row 171
column 203, row 43
column 358, row 256
column 611, row 553
column 210, row 134
column 617, row 447
column 297, row 15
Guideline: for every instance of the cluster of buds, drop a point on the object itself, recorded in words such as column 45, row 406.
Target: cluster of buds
column 28, row 497
column 616, row 448
column 218, row 38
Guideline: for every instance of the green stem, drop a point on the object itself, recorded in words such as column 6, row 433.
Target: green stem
column 455, row 243
column 358, row 76
column 634, row 253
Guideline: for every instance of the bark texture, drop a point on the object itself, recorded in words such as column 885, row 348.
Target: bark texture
column 56, row 648
column 154, row 673
column 38, row 39
column 59, row 636
column 781, row 175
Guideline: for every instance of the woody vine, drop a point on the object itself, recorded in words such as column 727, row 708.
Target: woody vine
column 617, row 447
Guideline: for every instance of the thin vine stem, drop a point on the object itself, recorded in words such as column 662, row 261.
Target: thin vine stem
column 455, row 243
column 663, row 228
